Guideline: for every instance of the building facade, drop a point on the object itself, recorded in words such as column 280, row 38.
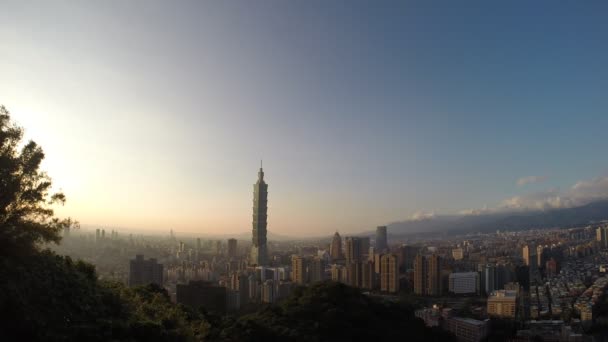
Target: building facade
column 144, row 272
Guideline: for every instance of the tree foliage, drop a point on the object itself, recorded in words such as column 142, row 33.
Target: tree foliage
column 26, row 214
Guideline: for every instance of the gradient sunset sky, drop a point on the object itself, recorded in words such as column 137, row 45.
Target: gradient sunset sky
column 155, row 114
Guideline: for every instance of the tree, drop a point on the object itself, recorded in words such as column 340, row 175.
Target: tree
column 26, row 214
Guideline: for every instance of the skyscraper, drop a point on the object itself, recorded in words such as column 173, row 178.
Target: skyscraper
column 389, row 273
column 231, row 248
column 316, row 270
column 299, row 268
column 434, row 276
column 259, row 254
column 381, row 239
column 420, row 275
column 601, row 234
column 335, row 249
column 353, row 249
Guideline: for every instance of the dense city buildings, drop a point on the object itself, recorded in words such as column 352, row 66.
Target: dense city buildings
column 259, row 251
column 144, row 272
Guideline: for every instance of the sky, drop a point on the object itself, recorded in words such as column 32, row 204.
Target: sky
column 155, row 114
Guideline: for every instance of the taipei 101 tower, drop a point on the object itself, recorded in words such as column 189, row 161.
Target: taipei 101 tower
column 259, row 253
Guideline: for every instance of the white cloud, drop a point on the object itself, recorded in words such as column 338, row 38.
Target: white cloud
column 476, row 212
column 421, row 215
column 530, row 179
column 581, row 193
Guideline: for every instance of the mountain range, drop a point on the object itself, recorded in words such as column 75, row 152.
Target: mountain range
column 563, row 217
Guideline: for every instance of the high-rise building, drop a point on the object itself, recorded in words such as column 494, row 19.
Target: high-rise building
column 420, row 275
column 231, row 248
column 601, row 235
column 316, row 269
column 353, row 273
column 97, row 235
column 489, row 278
column 529, row 256
column 434, row 284
column 144, row 272
column 551, row 267
column 198, row 244
column 367, row 275
column 381, row 239
column 407, row 254
column 365, row 246
column 259, row 253
column 299, row 274
column 353, row 249
column 389, row 273
column 339, row 274
column 268, row 295
column 540, row 256
column 335, row 249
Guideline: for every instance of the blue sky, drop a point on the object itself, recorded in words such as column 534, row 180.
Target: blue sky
column 155, row 114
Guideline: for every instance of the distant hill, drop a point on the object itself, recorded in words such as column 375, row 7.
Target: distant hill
column 592, row 212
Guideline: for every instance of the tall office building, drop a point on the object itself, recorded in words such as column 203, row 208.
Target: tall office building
column 529, row 255
column 268, row 291
column 353, row 249
column 365, row 246
column 601, row 235
column 367, row 275
column 540, row 256
column 231, row 248
column 420, row 275
column 339, row 274
column 381, row 240
column 259, row 253
column 97, row 235
column 144, row 272
column 434, row 286
column 353, row 273
column 490, row 278
column 335, row 249
column 299, row 274
column 316, row 269
column 389, row 273
column 407, row 254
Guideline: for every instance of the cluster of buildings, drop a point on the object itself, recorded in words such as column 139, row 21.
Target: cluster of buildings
column 536, row 277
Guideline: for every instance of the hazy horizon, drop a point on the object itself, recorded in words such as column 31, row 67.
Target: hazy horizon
column 155, row 115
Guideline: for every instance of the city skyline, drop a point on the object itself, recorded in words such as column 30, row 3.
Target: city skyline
column 365, row 115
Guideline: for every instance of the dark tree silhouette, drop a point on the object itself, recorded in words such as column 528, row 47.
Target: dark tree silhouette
column 26, row 214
